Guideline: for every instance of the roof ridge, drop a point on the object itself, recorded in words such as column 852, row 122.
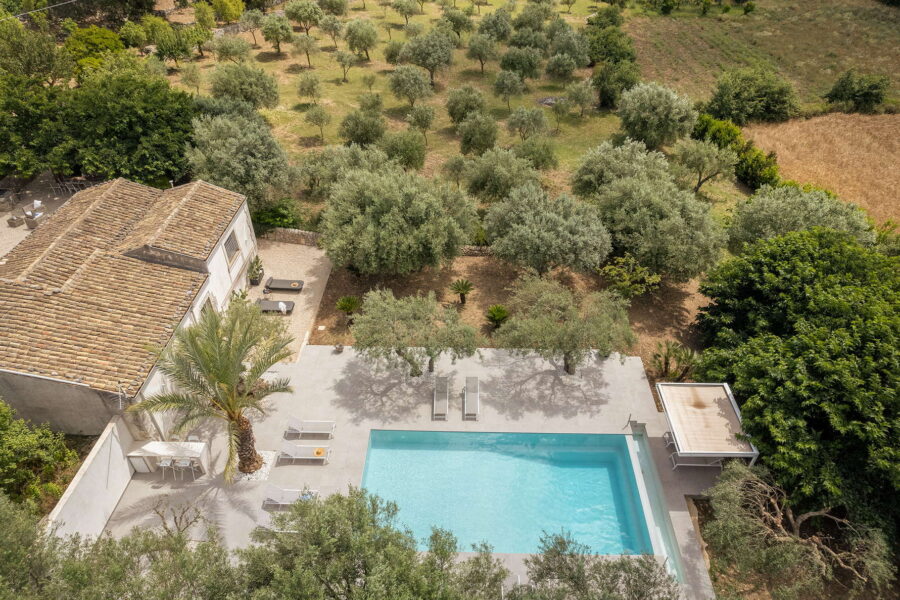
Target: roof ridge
column 165, row 222
column 76, row 221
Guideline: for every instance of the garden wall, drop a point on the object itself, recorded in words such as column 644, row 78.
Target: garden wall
column 293, row 236
column 94, row 492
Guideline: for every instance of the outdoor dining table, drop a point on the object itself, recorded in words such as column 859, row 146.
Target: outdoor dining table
column 144, row 456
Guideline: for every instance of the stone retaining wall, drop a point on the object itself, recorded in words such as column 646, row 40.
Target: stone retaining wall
column 293, row 236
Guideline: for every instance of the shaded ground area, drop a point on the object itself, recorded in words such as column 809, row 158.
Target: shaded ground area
column 855, row 156
column 38, row 189
column 667, row 314
column 809, row 41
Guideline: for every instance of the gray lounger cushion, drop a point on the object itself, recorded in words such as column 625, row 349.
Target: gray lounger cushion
column 284, row 285
column 272, row 305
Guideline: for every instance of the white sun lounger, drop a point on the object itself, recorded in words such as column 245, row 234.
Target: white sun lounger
column 292, row 451
column 301, row 428
column 441, row 402
column 472, row 400
column 279, row 498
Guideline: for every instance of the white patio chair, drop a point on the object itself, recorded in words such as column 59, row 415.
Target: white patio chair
column 441, row 402
column 279, row 498
column 187, row 464
column 166, row 462
column 292, row 451
column 472, row 399
column 300, row 427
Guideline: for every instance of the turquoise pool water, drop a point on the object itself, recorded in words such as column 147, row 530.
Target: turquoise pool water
column 507, row 488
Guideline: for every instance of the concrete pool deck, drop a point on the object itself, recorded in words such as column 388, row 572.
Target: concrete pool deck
column 517, row 395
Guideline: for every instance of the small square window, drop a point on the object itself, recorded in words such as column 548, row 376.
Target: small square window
column 232, row 249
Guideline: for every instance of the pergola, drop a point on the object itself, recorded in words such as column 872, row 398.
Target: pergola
column 704, row 424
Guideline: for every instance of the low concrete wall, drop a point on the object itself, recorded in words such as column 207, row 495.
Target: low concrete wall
column 95, row 491
column 65, row 406
column 293, row 236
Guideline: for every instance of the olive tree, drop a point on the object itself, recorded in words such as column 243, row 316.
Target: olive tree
column 548, row 319
column 244, row 82
column 752, row 94
column 309, row 86
column 305, row 13
column 421, row 117
column 231, row 47
column 409, row 83
column 361, row 36
column 532, row 230
column 405, row 8
column 704, row 161
column 393, row 222
column 406, row 148
column 336, row 8
column 251, row 21
column 431, row 51
column 318, row 117
column 411, row 332
column 464, row 101
column 362, row 127
column 580, row 94
column 774, row 211
column 482, row 48
column 238, row 154
column 345, row 61
column 525, row 62
column 333, row 27
column 666, row 229
column 606, row 163
column 477, row 133
column 655, row 115
column 611, row 79
column 304, row 44
column 508, row 84
column 277, row 30
column 527, row 122
column 494, row 174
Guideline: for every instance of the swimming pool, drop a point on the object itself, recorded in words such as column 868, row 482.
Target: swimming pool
column 508, row 488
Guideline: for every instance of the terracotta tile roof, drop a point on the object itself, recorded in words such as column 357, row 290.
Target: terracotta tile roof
column 73, row 306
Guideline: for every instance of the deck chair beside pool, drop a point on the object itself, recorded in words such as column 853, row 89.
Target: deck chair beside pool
column 279, row 498
column 301, row 428
column 441, row 399
column 291, row 451
column 472, row 400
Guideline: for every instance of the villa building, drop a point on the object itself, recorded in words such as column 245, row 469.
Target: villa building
column 107, row 278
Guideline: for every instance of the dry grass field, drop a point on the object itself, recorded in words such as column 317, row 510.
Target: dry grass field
column 811, row 42
column 856, row 156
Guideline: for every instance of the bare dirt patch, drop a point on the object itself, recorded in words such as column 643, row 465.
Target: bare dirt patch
column 667, row 314
column 855, row 156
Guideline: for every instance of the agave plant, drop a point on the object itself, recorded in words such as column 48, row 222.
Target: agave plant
column 348, row 305
column 462, row 287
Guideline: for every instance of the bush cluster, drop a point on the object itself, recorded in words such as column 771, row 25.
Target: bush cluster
column 754, row 167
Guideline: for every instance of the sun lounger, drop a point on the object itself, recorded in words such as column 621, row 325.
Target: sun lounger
column 472, row 400
column 284, row 307
column 301, row 428
column 284, row 285
column 292, row 451
column 278, row 498
column 441, row 401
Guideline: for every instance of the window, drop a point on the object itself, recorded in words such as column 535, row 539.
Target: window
column 210, row 304
column 232, row 249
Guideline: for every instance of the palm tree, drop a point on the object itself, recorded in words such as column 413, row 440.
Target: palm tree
column 462, row 287
column 217, row 367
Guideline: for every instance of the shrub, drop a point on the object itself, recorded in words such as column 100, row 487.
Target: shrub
column 393, row 51
column 655, row 114
column 610, row 45
column 281, row 213
column 464, row 101
column 348, row 304
column 672, row 361
column 478, row 133
column 756, row 168
column 612, row 79
column 32, row 458
column 752, row 94
column 538, row 151
column 774, row 211
column 497, row 314
column 628, row 278
column 861, row 93
column 407, row 148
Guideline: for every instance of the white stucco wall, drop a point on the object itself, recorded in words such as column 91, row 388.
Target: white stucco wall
column 224, row 278
column 98, row 485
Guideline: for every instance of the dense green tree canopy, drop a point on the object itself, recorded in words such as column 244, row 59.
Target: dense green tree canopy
column 33, row 54
column 86, row 45
column 464, row 101
column 549, row 320
column 406, row 148
column 606, row 163
column 524, row 62
column 362, row 127
column 805, row 327
column 494, row 174
column 655, row 114
column 532, row 230
column 411, row 332
column 861, row 93
column 477, row 133
column 393, row 222
column 666, row 229
column 238, row 154
column 244, row 82
column 774, row 211
column 611, row 79
column 752, row 94
column 124, row 125
column 29, row 123
column 497, row 25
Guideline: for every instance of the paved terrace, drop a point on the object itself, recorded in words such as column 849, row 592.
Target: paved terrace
column 517, row 395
